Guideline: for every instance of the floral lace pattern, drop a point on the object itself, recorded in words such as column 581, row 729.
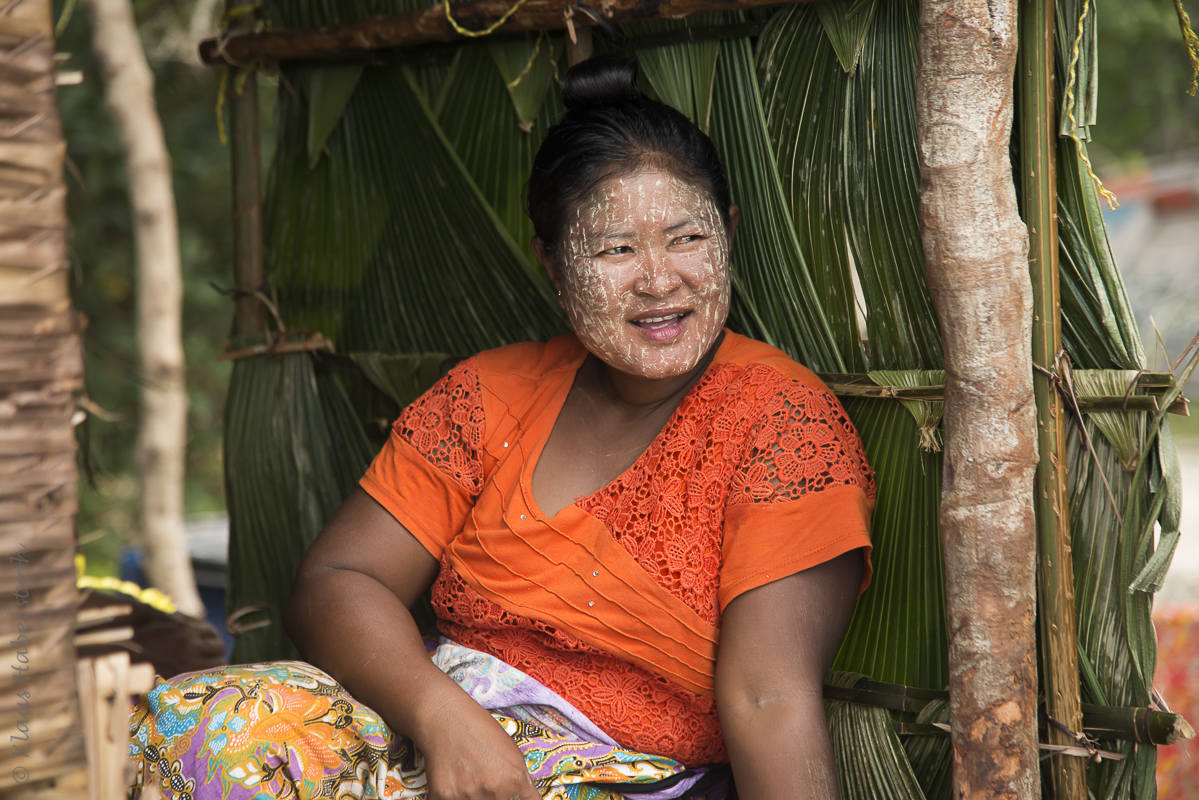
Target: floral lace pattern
column 743, row 434
column 446, row 425
column 638, row 709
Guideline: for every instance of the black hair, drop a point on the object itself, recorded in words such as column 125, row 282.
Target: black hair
column 610, row 129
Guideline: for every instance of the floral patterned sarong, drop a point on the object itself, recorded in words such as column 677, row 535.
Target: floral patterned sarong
column 287, row 731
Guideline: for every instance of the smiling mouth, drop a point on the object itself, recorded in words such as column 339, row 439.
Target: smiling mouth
column 663, row 328
column 661, row 322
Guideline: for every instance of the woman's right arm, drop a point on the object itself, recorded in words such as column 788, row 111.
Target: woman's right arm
column 349, row 615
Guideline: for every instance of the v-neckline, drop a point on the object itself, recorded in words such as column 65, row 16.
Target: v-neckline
column 530, row 463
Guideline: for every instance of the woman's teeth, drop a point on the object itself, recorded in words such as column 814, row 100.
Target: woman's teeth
column 659, row 322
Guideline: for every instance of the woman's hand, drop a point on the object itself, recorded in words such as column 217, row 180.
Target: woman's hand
column 468, row 756
column 777, row 643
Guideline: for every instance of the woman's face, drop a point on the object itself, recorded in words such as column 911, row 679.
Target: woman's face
column 644, row 274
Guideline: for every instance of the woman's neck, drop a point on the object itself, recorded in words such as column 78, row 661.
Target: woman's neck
column 649, row 393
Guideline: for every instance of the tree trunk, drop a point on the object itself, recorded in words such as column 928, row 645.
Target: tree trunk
column 41, row 368
column 976, row 249
column 162, row 438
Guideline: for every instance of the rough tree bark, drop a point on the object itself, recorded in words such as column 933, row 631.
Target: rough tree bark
column 162, row 438
column 41, row 367
column 976, row 249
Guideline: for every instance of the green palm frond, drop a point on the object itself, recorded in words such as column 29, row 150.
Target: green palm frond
column 930, row 753
column 1114, row 461
column 847, row 22
column 1102, row 601
column 368, row 247
column 682, row 75
column 528, row 67
column 402, row 377
column 482, row 125
column 927, row 413
column 1099, row 330
column 432, row 78
column 293, row 450
column 804, row 95
column 355, row 247
column 871, row 762
column 897, row 633
column 1075, row 46
column 322, row 222
column 883, row 187
column 328, row 91
column 1124, row 430
column 772, row 277
column 1151, row 576
column 396, row 228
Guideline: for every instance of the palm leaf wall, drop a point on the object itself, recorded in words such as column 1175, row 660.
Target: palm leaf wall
column 394, row 228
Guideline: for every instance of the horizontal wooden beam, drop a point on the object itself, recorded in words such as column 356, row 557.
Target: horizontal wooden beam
column 430, row 25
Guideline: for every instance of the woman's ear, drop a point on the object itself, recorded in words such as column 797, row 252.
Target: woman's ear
column 549, row 264
column 734, row 221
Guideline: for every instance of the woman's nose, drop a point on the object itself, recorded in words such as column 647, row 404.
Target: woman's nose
column 657, row 278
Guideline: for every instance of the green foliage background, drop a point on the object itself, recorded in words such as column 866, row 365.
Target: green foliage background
column 1143, row 113
column 102, row 269
column 1144, row 110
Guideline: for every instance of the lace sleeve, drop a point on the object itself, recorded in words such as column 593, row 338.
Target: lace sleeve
column 802, row 443
column 446, row 426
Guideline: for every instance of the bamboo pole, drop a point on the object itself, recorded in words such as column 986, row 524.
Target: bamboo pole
column 1055, row 567
column 431, row 25
column 245, row 152
column 976, row 254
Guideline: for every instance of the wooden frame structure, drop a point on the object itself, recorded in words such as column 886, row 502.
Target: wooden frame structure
column 243, row 45
column 434, row 24
column 41, row 330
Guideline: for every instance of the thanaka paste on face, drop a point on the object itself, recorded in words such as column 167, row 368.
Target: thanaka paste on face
column 676, row 258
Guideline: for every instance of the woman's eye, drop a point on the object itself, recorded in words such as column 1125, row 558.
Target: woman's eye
column 623, row 249
column 689, row 238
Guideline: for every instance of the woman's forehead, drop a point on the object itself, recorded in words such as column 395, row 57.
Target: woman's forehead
column 650, row 195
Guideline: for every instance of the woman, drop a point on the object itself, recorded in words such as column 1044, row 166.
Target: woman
column 594, row 516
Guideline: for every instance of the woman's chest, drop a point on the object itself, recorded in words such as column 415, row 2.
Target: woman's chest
column 589, row 447
column 661, row 501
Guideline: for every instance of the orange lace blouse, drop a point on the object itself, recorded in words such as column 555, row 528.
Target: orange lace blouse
column 615, row 601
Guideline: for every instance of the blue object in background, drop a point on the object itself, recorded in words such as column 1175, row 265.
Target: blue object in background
column 207, row 544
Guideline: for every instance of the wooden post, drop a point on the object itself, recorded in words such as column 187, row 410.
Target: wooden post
column 41, row 369
column 245, row 151
column 976, row 251
column 1055, row 567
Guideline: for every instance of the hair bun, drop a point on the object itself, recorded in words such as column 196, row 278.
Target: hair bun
column 602, row 80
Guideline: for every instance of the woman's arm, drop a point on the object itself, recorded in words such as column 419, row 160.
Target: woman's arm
column 777, row 643
column 349, row 615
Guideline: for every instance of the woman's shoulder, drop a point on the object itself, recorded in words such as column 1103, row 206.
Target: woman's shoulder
column 532, row 359
column 750, row 356
column 525, row 367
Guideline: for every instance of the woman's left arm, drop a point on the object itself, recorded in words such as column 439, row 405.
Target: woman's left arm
column 777, row 643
